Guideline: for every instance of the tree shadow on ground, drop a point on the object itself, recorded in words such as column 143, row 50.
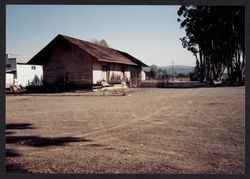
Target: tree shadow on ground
column 15, row 168
column 12, row 153
column 19, row 126
column 32, row 141
column 36, row 141
column 9, row 132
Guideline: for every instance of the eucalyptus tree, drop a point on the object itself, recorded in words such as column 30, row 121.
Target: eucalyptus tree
column 194, row 39
column 215, row 35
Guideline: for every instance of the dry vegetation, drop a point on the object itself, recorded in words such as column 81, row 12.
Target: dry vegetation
column 200, row 130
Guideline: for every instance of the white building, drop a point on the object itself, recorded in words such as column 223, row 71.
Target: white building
column 22, row 74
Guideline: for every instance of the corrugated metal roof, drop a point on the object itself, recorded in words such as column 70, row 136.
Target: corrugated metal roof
column 135, row 60
column 101, row 53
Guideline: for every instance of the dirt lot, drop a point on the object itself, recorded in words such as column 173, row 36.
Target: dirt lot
column 200, row 130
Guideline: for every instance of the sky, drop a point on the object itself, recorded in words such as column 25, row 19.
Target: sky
column 149, row 33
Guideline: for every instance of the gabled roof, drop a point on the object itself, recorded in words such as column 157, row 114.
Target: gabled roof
column 135, row 60
column 100, row 53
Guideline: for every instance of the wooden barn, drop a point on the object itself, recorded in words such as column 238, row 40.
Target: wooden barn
column 84, row 64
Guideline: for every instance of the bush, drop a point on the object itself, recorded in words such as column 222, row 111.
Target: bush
column 194, row 76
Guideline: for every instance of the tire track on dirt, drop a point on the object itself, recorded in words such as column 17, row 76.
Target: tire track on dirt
column 144, row 118
column 103, row 133
column 104, row 136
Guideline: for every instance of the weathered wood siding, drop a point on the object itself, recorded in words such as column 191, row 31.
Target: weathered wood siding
column 112, row 72
column 135, row 75
column 70, row 64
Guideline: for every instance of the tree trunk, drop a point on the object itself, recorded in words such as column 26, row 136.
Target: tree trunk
column 201, row 66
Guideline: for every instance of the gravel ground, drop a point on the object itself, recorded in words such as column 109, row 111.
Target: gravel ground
column 194, row 130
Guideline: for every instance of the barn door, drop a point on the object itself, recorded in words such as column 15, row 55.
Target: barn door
column 134, row 78
column 105, row 72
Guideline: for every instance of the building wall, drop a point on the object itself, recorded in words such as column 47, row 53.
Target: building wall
column 143, row 75
column 21, row 74
column 9, row 80
column 110, row 72
column 71, row 65
column 10, row 64
column 98, row 75
column 28, row 74
column 114, row 73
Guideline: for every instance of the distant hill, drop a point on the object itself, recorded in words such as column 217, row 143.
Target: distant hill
column 178, row 69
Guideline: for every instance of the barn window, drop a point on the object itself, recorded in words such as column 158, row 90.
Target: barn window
column 33, row 67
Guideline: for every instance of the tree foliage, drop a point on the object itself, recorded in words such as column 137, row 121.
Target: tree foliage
column 103, row 43
column 158, row 73
column 215, row 36
column 100, row 42
column 153, row 71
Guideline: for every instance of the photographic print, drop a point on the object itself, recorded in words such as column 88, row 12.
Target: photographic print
column 125, row 89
